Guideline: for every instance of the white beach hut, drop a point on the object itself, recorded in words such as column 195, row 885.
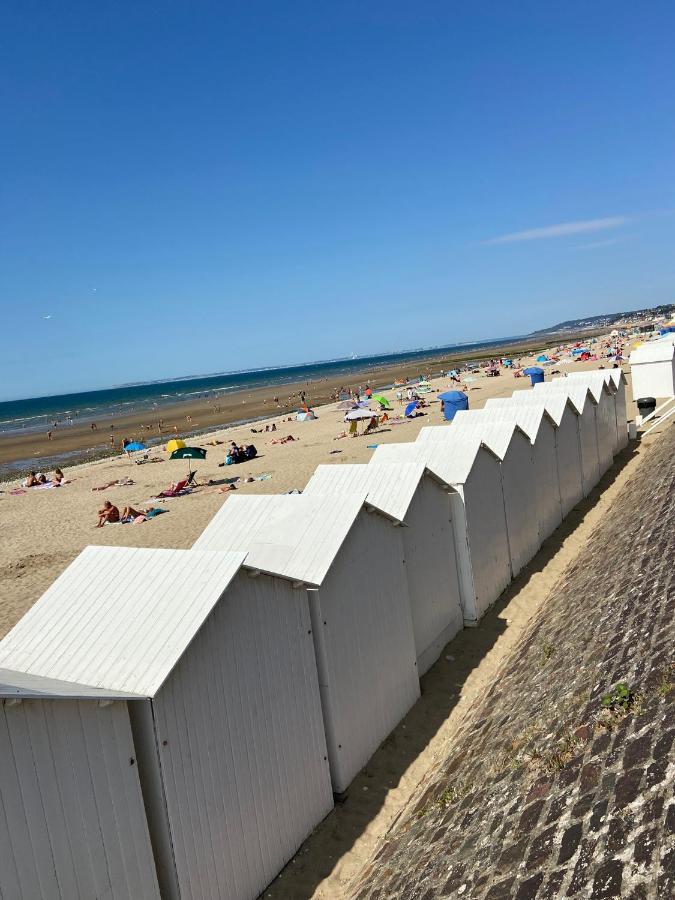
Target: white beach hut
column 168, row 739
column 585, row 404
column 479, row 520
column 415, row 496
column 541, row 429
column 652, row 368
column 349, row 563
column 567, row 447
column 616, row 381
column 603, row 393
column 616, row 386
column 619, row 381
column 514, row 450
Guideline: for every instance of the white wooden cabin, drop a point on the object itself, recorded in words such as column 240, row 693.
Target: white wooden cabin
column 349, row 563
column 480, row 522
column 514, row 450
column 585, row 404
column 413, row 495
column 168, row 739
column 568, row 447
column 541, row 429
column 616, row 381
column 652, row 367
column 603, row 393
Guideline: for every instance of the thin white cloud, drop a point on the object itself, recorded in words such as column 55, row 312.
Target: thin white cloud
column 562, row 230
column 608, row 243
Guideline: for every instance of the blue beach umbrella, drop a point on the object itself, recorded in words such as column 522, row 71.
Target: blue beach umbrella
column 134, row 446
column 410, row 408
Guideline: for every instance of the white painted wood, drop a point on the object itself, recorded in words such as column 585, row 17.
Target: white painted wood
column 602, row 392
column 514, row 450
column 244, row 766
column 583, row 401
column 568, row 446
column 72, row 820
column 541, row 431
column 652, row 368
column 362, row 584
column 119, row 618
column 365, row 646
column 479, row 520
column 410, row 493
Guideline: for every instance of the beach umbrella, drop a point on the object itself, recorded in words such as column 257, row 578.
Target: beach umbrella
column 384, row 403
column 347, row 404
column 188, row 453
column 411, row 407
column 174, row 444
column 542, row 358
column 134, row 446
column 356, row 414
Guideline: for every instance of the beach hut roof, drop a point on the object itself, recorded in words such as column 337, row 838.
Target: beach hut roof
column 654, row 351
column 451, row 460
column 114, row 623
column 496, row 435
column 555, row 403
column 577, row 391
column 596, row 381
column 388, row 487
column 528, row 418
column 296, row 537
column 612, row 377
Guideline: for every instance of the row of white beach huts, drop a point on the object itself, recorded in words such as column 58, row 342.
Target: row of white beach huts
column 176, row 722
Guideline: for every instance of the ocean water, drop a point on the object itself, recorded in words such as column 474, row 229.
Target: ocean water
column 38, row 413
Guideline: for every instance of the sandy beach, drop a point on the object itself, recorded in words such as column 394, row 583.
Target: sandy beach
column 44, row 529
column 78, row 442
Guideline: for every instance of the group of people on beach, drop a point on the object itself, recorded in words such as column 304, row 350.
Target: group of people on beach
column 109, row 513
column 38, row 479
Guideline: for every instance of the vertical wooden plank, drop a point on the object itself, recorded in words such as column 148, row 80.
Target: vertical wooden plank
column 49, row 779
column 17, row 871
column 134, row 834
column 31, row 804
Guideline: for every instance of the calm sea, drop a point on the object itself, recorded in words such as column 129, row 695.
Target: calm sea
column 38, row 413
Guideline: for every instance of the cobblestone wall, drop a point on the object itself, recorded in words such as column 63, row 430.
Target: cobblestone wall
column 551, row 791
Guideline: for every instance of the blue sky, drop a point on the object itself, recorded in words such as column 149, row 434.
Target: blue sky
column 195, row 187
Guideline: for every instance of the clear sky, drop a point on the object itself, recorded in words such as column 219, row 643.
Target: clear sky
column 191, row 187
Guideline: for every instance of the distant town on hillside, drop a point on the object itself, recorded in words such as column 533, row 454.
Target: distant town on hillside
column 632, row 317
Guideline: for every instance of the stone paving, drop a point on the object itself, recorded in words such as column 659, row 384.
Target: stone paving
column 551, row 792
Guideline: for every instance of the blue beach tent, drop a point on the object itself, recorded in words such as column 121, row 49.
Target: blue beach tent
column 536, row 374
column 453, row 401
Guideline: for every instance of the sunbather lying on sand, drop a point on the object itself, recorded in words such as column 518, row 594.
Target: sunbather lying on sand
column 129, row 514
column 225, row 489
column 108, row 513
column 285, row 440
column 121, row 482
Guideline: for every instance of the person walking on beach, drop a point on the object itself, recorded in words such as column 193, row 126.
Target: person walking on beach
column 49, row 435
column 94, row 426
